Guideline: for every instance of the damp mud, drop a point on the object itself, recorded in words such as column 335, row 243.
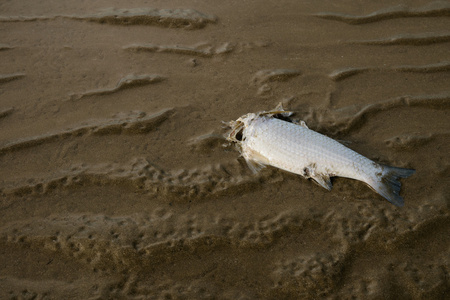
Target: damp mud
column 116, row 181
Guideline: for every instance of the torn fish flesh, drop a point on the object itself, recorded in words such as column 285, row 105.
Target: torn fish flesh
column 272, row 138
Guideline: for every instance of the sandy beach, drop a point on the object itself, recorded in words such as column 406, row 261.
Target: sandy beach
column 116, row 181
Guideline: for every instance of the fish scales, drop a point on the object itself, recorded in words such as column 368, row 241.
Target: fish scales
column 269, row 138
column 293, row 148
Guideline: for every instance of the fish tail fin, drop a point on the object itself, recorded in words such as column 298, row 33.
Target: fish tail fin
column 388, row 185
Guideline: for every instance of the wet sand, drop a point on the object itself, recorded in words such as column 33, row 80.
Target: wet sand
column 115, row 184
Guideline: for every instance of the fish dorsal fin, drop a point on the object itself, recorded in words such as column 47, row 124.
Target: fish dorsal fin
column 323, row 180
column 279, row 107
column 279, row 110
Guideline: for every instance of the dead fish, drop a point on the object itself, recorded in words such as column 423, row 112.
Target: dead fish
column 272, row 138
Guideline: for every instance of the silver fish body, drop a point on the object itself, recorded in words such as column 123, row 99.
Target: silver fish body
column 266, row 140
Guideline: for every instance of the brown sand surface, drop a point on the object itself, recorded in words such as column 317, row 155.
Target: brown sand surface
column 115, row 184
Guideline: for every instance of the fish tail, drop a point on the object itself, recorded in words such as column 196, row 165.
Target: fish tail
column 388, row 184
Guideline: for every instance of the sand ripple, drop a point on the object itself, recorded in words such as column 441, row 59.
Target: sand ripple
column 116, row 181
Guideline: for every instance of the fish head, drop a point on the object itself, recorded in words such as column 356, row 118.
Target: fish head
column 237, row 127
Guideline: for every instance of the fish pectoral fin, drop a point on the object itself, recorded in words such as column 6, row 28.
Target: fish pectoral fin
column 323, row 180
column 255, row 160
column 254, row 165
